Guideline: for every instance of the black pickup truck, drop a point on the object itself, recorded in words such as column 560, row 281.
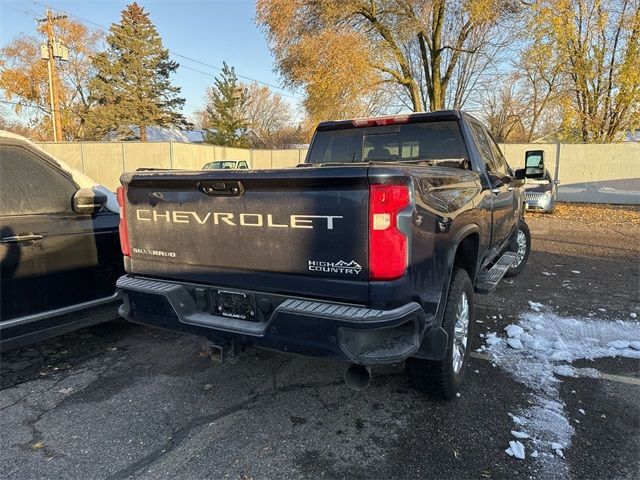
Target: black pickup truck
column 369, row 253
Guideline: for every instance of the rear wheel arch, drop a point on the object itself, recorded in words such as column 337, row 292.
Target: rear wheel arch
column 465, row 241
column 466, row 256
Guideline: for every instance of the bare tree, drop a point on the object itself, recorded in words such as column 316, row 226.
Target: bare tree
column 503, row 111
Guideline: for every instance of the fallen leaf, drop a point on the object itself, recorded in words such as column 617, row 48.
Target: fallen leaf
column 37, row 445
column 596, row 214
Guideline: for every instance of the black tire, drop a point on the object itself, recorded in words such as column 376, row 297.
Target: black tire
column 514, row 247
column 439, row 378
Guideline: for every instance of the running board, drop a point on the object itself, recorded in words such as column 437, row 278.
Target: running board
column 488, row 280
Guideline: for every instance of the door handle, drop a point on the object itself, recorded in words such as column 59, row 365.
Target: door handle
column 27, row 237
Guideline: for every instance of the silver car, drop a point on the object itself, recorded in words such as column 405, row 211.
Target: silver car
column 540, row 189
column 541, row 194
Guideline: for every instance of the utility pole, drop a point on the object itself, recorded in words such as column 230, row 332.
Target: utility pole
column 49, row 52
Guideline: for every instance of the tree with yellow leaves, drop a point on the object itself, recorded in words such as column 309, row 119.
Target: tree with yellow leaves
column 346, row 53
column 597, row 43
column 23, row 78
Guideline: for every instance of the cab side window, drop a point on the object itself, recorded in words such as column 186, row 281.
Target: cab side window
column 242, row 166
column 485, row 147
column 501, row 162
column 29, row 186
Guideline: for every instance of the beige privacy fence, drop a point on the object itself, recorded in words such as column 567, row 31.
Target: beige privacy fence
column 601, row 173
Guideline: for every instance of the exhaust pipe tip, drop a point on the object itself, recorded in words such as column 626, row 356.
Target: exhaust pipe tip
column 357, row 377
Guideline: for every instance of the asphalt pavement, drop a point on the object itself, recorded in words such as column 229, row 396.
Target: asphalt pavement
column 122, row 401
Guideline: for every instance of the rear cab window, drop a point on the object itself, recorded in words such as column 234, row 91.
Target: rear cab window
column 430, row 140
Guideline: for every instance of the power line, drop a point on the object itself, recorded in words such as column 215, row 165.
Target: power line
column 39, row 107
column 26, row 12
column 176, row 54
column 22, row 104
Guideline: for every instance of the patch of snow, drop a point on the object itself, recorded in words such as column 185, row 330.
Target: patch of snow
column 519, row 434
column 560, row 355
column 534, row 454
column 516, row 420
column 514, row 343
column 516, row 449
column 575, row 271
column 547, row 274
column 535, row 306
column 546, row 342
column 559, row 344
column 581, row 410
column 587, row 372
column 514, row 331
column 633, row 315
column 565, row 371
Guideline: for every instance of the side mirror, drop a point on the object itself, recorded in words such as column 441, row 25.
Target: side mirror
column 534, row 164
column 498, row 180
column 534, row 159
column 88, row 201
column 556, row 182
column 520, row 173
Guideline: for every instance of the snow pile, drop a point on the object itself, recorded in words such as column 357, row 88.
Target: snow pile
column 538, row 352
column 516, row 449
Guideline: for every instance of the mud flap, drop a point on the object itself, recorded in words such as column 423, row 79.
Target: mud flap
column 434, row 345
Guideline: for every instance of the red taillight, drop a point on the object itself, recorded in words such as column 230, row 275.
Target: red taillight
column 121, row 194
column 388, row 252
column 380, row 121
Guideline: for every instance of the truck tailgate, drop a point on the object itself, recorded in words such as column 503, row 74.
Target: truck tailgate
column 310, row 222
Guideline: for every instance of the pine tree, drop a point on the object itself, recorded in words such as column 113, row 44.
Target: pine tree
column 132, row 86
column 226, row 109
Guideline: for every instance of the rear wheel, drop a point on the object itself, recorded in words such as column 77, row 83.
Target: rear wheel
column 443, row 379
column 521, row 246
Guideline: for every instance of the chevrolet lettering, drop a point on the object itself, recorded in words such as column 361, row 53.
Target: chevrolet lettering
column 242, row 219
column 369, row 253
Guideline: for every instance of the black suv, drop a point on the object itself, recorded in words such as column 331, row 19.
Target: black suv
column 59, row 246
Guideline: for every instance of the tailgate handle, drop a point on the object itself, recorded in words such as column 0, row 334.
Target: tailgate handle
column 231, row 188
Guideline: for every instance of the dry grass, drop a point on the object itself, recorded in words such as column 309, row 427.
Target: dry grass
column 597, row 214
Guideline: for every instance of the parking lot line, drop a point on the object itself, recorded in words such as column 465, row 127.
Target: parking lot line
column 601, row 376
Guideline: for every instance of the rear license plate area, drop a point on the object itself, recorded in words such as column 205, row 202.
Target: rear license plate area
column 232, row 304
